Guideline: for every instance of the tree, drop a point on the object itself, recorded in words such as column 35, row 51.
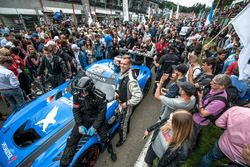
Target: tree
column 223, row 2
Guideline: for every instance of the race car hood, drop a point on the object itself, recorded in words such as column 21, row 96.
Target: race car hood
column 28, row 132
column 103, row 70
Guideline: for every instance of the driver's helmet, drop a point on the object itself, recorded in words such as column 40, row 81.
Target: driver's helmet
column 83, row 85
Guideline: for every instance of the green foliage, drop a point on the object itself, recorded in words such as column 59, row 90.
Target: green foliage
column 209, row 136
column 195, row 8
column 226, row 2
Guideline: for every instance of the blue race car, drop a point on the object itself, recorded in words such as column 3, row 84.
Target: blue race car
column 36, row 133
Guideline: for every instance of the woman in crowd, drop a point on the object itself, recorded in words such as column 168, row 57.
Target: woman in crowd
column 172, row 140
column 19, row 70
column 31, row 61
column 89, row 49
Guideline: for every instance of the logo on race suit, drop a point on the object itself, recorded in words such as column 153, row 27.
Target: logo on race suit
column 49, row 119
column 6, row 150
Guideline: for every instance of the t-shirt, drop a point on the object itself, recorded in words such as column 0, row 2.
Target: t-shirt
column 213, row 107
column 171, row 104
column 166, row 62
column 161, row 142
column 108, row 40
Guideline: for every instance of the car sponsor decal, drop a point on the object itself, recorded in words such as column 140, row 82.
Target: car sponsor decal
column 92, row 75
column 6, row 150
column 49, row 119
column 12, row 159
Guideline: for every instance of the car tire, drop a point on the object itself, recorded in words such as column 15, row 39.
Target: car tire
column 89, row 157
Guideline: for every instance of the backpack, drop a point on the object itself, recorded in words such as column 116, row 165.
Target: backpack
column 231, row 100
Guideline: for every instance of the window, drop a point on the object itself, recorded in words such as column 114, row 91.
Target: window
column 25, row 137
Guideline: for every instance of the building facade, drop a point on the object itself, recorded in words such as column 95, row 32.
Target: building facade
column 26, row 13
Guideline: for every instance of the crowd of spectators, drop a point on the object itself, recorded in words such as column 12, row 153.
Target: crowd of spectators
column 194, row 83
column 233, row 10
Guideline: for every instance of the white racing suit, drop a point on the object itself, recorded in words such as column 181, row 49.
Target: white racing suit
column 130, row 92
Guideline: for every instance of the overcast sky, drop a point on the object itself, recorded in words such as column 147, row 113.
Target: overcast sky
column 189, row 3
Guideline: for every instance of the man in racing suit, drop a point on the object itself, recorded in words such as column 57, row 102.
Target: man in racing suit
column 129, row 94
column 89, row 109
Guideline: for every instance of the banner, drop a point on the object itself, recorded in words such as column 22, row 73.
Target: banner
column 125, row 10
column 177, row 11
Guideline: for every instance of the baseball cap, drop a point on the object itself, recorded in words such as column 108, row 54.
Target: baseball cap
column 6, row 34
column 56, row 38
column 74, row 46
column 187, row 87
column 97, row 35
column 182, row 68
column 52, row 43
column 34, row 35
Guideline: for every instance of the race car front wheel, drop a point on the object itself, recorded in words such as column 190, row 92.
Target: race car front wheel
column 89, row 157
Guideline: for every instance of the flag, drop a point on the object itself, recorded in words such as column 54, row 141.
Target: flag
column 149, row 12
column 90, row 20
column 199, row 15
column 143, row 19
column 177, row 11
column 241, row 25
column 244, row 63
column 210, row 15
column 171, row 14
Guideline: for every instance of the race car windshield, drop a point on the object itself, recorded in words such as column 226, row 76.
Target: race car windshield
column 106, row 88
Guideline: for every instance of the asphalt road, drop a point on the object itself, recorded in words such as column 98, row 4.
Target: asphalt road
column 145, row 115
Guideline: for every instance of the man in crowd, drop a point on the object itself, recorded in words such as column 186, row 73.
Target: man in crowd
column 185, row 101
column 5, row 40
column 129, row 94
column 64, row 56
column 9, row 85
column 209, row 105
column 57, row 73
column 234, row 142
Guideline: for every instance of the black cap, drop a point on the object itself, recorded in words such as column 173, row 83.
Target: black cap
column 182, row 68
column 97, row 35
column 188, row 88
column 6, row 34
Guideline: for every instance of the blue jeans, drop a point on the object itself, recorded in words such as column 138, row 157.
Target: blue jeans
column 214, row 154
column 14, row 97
